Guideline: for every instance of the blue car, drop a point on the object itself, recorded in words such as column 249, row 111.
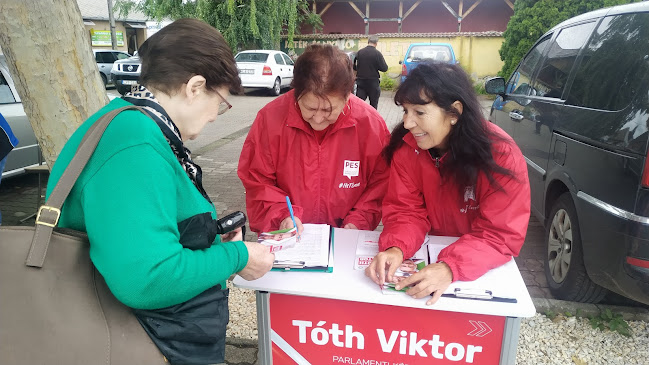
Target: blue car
column 426, row 52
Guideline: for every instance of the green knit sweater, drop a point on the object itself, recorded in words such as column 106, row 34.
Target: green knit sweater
column 129, row 199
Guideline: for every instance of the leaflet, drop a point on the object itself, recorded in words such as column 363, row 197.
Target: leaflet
column 406, row 269
column 278, row 240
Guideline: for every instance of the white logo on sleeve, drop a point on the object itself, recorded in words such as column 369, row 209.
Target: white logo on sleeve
column 351, row 168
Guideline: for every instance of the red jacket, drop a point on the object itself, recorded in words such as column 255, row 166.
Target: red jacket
column 491, row 223
column 281, row 156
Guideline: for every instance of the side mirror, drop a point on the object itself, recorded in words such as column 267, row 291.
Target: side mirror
column 400, row 62
column 495, row 85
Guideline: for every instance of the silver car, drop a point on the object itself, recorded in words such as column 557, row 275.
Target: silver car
column 105, row 59
column 26, row 154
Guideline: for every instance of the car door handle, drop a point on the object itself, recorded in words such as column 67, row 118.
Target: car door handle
column 516, row 116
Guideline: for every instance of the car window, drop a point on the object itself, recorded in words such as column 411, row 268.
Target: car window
column 614, row 64
column 519, row 83
column 99, row 57
column 106, row 57
column 554, row 72
column 6, row 96
column 122, row 56
column 251, row 57
column 288, row 60
column 429, row 53
column 278, row 59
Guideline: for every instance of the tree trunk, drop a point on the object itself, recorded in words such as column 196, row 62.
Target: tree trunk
column 49, row 56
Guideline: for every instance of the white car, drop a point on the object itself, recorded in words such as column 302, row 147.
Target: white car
column 265, row 69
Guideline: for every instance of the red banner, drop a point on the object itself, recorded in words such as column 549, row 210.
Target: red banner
column 325, row 331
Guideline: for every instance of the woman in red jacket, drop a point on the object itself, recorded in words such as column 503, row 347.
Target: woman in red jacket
column 321, row 146
column 451, row 174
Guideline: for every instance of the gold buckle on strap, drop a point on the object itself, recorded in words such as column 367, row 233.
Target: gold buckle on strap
column 51, row 209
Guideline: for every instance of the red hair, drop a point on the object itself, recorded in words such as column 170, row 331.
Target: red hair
column 323, row 70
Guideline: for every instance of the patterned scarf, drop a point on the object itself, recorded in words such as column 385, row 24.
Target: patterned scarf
column 142, row 97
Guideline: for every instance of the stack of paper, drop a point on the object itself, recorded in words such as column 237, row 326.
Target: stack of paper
column 312, row 251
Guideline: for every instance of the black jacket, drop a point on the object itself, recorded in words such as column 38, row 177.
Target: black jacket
column 368, row 62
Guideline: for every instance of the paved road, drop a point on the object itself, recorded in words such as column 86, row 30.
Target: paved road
column 217, row 150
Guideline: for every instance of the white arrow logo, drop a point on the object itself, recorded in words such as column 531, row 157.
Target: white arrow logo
column 480, row 329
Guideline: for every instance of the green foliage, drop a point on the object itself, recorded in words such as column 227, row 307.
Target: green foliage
column 532, row 18
column 551, row 314
column 479, row 88
column 387, row 83
column 613, row 322
column 245, row 24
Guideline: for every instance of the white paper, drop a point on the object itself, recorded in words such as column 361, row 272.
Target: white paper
column 367, row 246
column 313, row 247
column 495, row 280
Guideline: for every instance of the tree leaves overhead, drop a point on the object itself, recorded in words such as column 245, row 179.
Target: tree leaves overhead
column 532, row 18
column 245, row 24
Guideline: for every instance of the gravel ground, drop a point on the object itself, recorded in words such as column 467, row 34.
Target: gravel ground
column 573, row 341
column 542, row 340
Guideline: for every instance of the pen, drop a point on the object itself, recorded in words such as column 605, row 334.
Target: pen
column 492, row 299
column 290, row 210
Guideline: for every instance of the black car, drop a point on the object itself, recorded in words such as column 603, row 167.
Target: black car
column 578, row 107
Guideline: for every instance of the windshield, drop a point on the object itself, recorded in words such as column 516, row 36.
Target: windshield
column 251, row 57
column 429, row 53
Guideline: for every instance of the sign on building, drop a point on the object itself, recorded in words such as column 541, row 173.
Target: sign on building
column 345, row 45
column 101, row 38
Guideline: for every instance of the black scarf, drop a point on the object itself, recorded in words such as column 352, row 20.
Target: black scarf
column 145, row 99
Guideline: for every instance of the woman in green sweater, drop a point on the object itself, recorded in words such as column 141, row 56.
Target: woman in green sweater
column 140, row 198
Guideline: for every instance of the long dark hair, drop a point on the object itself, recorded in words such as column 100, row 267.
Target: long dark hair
column 470, row 140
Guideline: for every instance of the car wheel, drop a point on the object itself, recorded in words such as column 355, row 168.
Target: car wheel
column 277, row 87
column 103, row 78
column 564, row 263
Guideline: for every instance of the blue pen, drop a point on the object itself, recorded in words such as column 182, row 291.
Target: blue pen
column 290, row 210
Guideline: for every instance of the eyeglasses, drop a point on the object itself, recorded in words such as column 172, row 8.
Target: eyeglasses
column 224, row 106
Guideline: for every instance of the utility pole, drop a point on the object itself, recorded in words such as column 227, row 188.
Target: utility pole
column 111, row 19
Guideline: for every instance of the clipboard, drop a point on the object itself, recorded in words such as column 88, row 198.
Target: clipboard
column 288, row 265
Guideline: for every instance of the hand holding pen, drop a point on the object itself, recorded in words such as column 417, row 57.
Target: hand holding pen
column 292, row 220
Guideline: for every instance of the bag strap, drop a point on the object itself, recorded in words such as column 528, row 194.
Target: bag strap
column 49, row 213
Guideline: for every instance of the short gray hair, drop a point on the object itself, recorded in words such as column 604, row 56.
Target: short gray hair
column 373, row 39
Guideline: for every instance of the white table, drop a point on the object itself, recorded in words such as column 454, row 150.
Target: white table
column 361, row 324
